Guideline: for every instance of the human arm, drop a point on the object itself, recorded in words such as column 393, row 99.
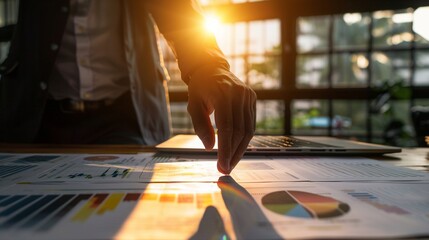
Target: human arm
column 211, row 85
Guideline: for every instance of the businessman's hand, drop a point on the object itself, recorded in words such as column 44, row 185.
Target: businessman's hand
column 234, row 105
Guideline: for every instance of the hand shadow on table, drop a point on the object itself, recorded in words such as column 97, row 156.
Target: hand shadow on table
column 248, row 219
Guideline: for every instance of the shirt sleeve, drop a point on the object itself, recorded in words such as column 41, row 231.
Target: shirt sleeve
column 182, row 24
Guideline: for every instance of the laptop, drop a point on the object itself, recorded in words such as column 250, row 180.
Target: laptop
column 283, row 145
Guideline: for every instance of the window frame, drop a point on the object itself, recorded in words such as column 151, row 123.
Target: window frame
column 288, row 13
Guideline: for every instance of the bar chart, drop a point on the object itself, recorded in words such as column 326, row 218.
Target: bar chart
column 10, row 170
column 44, row 211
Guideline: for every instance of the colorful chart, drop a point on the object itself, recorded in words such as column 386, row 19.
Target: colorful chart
column 376, row 202
column 101, row 158
column 36, row 159
column 304, row 205
column 9, row 170
column 42, row 212
column 45, row 211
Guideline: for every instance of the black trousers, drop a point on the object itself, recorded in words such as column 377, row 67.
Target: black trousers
column 112, row 124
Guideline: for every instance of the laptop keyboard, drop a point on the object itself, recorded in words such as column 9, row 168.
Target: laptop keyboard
column 259, row 141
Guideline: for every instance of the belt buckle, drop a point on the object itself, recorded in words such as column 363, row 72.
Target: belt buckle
column 79, row 106
column 72, row 106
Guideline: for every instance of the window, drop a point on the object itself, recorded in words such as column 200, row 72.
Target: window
column 254, row 53
column 349, row 69
column 8, row 15
column 376, row 49
column 327, row 68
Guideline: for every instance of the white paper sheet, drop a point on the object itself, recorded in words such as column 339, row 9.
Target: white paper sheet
column 131, row 168
column 149, row 168
column 347, row 169
column 107, row 196
column 223, row 210
column 18, row 167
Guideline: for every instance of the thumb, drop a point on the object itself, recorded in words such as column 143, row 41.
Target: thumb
column 200, row 116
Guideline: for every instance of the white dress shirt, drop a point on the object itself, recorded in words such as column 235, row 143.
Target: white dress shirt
column 91, row 62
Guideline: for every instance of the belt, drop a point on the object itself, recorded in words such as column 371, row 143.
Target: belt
column 79, row 106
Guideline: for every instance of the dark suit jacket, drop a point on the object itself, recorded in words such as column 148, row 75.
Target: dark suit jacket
column 37, row 37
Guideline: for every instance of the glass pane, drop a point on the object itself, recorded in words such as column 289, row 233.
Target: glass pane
column 232, row 38
column 421, row 77
column 421, row 41
column 392, row 28
column 310, row 117
column 312, row 33
column 264, row 72
column 264, row 37
column 8, row 15
column 8, row 12
column 312, row 71
column 4, row 49
column 421, row 102
column 3, row 46
column 180, row 118
column 269, row 117
column 238, row 67
column 253, row 51
column 393, row 124
column 351, row 30
column 225, row 38
column 349, row 118
column 175, row 83
column 241, row 32
column 390, row 67
column 2, row 14
column 349, row 70
column 420, row 26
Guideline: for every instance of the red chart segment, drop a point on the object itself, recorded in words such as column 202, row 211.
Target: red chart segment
column 304, row 205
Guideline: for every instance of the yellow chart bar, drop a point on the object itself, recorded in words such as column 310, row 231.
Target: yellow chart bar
column 86, row 211
column 111, row 203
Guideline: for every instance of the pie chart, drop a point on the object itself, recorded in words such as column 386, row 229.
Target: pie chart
column 304, row 205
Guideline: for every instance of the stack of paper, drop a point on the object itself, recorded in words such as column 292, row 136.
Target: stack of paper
column 147, row 196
